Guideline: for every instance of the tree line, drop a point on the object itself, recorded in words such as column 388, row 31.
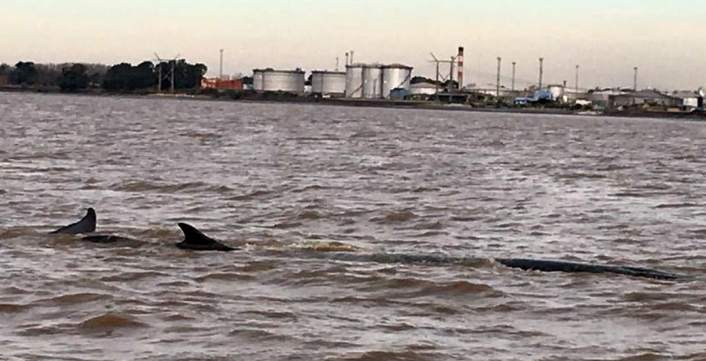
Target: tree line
column 123, row 77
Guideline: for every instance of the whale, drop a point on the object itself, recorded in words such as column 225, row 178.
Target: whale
column 195, row 240
column 576, row 267
column 87, row 224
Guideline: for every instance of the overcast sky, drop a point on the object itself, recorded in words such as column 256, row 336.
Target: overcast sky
column 665, row 38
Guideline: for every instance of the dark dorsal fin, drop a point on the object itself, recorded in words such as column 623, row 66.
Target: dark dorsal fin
column 196, row 240
column 87, row 224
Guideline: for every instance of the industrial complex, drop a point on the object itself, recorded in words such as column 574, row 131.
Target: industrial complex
column 380, row 83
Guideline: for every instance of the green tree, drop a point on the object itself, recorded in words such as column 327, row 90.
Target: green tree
column 25, row 73
column 74, row 78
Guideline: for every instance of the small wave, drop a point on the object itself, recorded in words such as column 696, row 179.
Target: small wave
column 582, row 176
column 388, row 356
column 110, row 322
column 313, row 215
column 259, row 335
column 395, row 217
column 648, row 356
column 224, row 276
column 12, row 308
column 287, row 225
column 273, row 314
column 431, row 288
column 132, row 276
column 631, row 195
column 251, row 196
column 17, row 232
column 329, row 247
column 145, row 186
column 678, row 205
column 73, row 299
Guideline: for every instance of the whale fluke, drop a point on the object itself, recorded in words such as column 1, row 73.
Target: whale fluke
column 87, row 224
column 572, row 267
column 197, row 241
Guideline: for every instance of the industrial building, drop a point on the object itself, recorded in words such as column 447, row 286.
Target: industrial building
column 271, row 80
column 647, row 97
column 376, row 81
column 328, row 83
column 221, row 84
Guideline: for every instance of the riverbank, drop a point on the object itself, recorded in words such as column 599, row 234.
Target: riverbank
column 369, row 103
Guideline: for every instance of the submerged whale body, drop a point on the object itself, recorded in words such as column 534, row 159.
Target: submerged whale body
column 87, row 224
column 572, row 267
column 196, row 241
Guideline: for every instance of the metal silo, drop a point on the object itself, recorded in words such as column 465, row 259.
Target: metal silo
column 328, row 82
column 354, row 81
column 372, row 81
column 271, row 80
column 257, row 76
column 395, row 76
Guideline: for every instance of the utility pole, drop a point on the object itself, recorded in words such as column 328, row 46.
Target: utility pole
column 159, row 72
column 451, row 74
column 577, row 79
column 634, row 84
column 159, row 76
column 436, row 84
column 347, row 63
column 541, row 72
column 514, row 65
column 497, row 83
column 172, row 77
column 220, row 69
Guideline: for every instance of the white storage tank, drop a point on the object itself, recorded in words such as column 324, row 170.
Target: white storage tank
column 328, row 82
column 354, row 81
column 288, row 81
column 257, row 76
column 372, row 81
column 395, row 76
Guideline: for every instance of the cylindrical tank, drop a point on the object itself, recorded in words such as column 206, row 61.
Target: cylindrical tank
column 328, row 82
column 372, row 81
column 354, row 81
column 271, row 80
column 395, row 76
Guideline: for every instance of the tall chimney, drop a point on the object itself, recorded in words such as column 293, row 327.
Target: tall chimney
column 459, row 59
column 541, row 72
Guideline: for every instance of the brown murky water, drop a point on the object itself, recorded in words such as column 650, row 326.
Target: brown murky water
column 368, row 234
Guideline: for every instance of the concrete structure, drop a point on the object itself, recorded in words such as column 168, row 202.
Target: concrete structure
column 423, row 88
column 395, row 76
column 648, row 98
column 689, row 99
column 271, row 80
column 557, row 93
column 328, row 83
column 221, row 84
column 600, row 98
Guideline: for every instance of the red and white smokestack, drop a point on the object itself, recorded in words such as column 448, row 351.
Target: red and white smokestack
column 459, row 59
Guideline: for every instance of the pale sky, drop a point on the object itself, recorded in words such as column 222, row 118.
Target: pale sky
column 665, row 38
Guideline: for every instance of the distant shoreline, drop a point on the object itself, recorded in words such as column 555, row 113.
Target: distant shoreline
column 369, row 103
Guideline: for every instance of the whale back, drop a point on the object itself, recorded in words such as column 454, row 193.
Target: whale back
column 87, row 224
